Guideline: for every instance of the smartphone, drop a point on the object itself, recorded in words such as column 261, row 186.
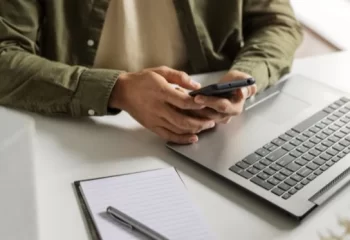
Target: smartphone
column 223, row 89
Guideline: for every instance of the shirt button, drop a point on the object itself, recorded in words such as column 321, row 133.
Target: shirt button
column 91, row 112
column 90, row 43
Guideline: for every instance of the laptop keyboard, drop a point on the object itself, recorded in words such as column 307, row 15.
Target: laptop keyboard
column 294, row 159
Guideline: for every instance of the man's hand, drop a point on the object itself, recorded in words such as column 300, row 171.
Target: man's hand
column 221, row 110
column 149, row 97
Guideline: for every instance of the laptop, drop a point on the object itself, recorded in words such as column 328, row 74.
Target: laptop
column 290, row 146
column 18, row 218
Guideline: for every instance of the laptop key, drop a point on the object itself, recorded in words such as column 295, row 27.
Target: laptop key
column 345, row 130
column 280, row 176
column 276, row 167
column 335, row 159
column 278, row 141
column 293, row 167
column 314, row 129
column 327, row 143
column 263, row 176
column 262, row 183
column 286, row 172
column 299, row 186
column 252, row 158
column 278, row 191
column 295, row 142
column 276, row 154
column 259, row 166
column 321, row 125
column 344, row 142
column 340, row 134
column 330, row 163
column 321, row 135
column 340, row 123
column 302, row 149
column 328, row 110
column 338, row 147
column 332, row 152
column 328, row 131
column 324, row 167
column 321, row 147
column 304, row 172
column 273, row 181
column 241, row 172
column 341, row 155
column 284, row 187
column 265, row 162
column 295, row 153
column 269, row 146
column 318, row 172
column 242, row 165
column 319, row 161
column 334, row 127
column 292, row 191
column 288, row 147
column 301, row 162
column 332, row 118
column 326, row 156
column 308, row 157
column 262, row 152
column 326, row 121
column 292, row 133
column 305, row 182
column 286, row 196
column 311, row 177
column 290, row 182
column 285, row 160
column 334, row 106
column 309, row 144
column 285, row 137
column 346, row 150
column 253, row 170
column 333, row 139
column 296, row 177
column 269, row 171
column 310, row 121
column 315, row 140
column 312, row 166
column 308, row 133
column 314, row 152
column 302, row 138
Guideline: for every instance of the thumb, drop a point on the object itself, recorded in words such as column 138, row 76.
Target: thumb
column 177, row 77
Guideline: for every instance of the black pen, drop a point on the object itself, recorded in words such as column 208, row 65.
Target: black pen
column 133, row 224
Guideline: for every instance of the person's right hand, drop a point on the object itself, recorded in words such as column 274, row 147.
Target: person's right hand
column 149, row 97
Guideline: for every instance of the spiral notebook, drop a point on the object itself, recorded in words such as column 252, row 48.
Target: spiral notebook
column 157, row 198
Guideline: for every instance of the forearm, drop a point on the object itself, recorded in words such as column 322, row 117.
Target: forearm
column 272, row 35
column 36, row 84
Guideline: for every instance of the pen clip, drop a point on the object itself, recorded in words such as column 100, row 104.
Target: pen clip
column 117, row 219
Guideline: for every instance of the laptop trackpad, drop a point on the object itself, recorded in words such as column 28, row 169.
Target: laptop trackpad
column 279, row 108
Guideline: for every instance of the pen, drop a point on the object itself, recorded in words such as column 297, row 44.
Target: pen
column 133, row 224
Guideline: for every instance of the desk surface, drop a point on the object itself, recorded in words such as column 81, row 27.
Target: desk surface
column 69, row 150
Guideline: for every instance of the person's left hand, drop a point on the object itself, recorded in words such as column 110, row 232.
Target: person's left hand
column 222, row 109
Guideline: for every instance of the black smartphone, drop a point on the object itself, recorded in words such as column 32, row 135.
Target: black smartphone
column 223, row 89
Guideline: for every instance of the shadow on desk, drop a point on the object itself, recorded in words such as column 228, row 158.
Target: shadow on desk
column 92, row 140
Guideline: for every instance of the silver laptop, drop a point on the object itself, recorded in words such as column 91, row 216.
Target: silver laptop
column 290, row 146
column 18, row 213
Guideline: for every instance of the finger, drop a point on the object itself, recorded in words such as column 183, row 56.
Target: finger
column 173, row 128
column 221, row 105
column 177, row 77
column 188, row 123
column 175, row 138
column 208, row 113
column 180, row 99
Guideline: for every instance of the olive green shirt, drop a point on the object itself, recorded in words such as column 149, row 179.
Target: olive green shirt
column 48, row 47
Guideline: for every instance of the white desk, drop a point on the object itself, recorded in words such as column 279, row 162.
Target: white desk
column 69, row 150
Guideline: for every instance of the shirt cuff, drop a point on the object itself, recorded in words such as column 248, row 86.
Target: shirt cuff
column 92, row 95
column 258, row 70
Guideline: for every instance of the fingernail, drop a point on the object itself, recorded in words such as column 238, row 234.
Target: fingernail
column 244, row 92
column 199, row 99
column 193, row 139
column 195, row 84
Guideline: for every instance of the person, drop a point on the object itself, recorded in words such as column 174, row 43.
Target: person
column 95, row 58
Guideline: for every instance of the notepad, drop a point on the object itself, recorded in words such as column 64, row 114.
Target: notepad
column 157, row 198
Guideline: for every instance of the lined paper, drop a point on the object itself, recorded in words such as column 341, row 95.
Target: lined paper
column 156, row 198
